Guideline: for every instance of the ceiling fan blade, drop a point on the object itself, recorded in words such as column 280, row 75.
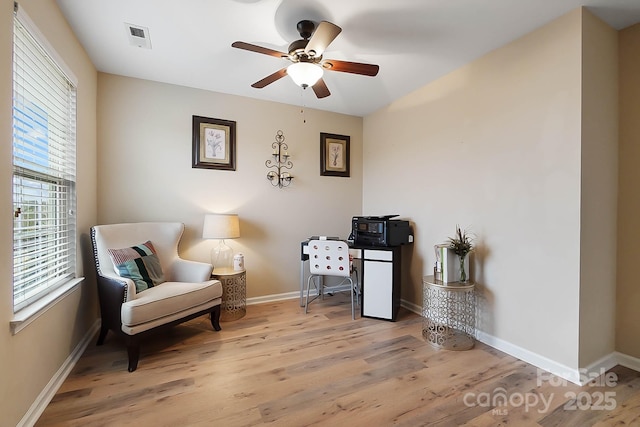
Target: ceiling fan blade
column 322, row 37
column 320, row 89
column 270, row 79
column 351, row 67
column 259, row 49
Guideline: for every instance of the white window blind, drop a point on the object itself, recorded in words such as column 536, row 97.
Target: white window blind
column 44, row 170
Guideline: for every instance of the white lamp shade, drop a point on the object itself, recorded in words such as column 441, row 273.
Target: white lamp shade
column 304, row 73
column 221, row 226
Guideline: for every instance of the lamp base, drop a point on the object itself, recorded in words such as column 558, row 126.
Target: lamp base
column 222, row 256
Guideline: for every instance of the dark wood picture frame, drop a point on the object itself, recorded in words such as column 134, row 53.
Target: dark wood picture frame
column 214, row 143
column 335, row 156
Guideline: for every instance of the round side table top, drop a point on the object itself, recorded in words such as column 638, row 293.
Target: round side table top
column 226, row 271
column 458, row 286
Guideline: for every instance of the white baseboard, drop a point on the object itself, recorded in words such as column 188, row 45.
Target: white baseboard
column 417, row 309
column 627, row 361
column 598, row 367
column 577, row 376
column 292, row 295
column 272, row 298
column 39, row 405
column 542, row 362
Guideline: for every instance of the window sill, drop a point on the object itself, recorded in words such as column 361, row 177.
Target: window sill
column 27, row 315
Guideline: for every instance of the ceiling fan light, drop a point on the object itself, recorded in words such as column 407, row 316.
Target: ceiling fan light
column 304, row 74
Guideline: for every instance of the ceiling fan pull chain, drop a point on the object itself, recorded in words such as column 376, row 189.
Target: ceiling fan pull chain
column 304, row 117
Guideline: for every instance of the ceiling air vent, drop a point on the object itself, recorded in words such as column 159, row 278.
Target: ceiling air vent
column 138, row 36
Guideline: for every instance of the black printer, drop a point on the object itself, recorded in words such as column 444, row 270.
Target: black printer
column 379, row 231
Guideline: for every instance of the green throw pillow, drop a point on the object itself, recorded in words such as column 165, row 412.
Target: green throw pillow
column 139, row 263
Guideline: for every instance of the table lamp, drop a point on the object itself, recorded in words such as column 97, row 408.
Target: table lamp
column 221, row 226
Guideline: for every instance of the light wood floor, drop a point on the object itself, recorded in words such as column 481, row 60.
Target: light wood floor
column 278, row 366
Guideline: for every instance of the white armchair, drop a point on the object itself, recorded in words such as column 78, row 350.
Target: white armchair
column 130, row 308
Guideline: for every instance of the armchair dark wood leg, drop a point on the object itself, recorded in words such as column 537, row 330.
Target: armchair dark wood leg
column 103, row 334
column 215, row 318
column 133, row 350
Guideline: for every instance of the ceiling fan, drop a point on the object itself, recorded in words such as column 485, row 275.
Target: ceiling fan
column 305, row 54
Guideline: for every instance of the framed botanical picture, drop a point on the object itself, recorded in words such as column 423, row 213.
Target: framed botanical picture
column 334, row 155
column 214, row 143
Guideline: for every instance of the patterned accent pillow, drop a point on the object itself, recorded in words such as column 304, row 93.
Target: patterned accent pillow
column 139, row 263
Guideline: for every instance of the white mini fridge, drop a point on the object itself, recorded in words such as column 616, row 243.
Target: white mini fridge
column 381, row 282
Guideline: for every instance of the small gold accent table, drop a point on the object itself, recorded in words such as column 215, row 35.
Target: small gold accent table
column 234, row 293
column 449, row 314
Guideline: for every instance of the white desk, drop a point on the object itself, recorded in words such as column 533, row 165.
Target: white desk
column 378, row 274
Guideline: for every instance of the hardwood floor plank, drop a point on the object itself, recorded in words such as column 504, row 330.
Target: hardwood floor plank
column 625, row 414
column 278, row 366
column 585, row 407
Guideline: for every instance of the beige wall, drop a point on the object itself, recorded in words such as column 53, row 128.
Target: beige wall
column 495, row 146
column 628, row 292
column 145, row 173
column 599, row 192
column 31, row 358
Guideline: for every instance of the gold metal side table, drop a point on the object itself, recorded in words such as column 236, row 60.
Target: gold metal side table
column 234, row 293
column 449, row 314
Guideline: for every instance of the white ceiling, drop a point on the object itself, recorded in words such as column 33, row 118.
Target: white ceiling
column 413, row 41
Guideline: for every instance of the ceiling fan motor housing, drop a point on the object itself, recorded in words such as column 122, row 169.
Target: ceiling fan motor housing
column 297, row 52
column 305, row 28
column 296, row 49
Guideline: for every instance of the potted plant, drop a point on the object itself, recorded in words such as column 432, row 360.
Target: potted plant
column 461, row 244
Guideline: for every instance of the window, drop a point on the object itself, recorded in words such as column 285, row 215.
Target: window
column 44, row 168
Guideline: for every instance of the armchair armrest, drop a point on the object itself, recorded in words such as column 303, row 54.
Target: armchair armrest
column 129, row 285
column 112, row 293
column 191, row 271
